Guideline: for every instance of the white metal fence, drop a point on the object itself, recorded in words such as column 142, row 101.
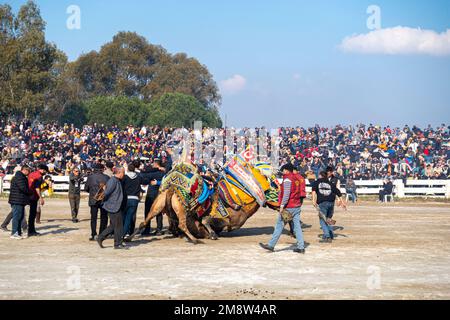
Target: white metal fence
column 413, row 188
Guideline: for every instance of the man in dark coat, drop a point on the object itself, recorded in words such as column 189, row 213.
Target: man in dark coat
column 19, row 197
column 112, row 204
column 75, row 180
column 154, row 175
column 132, row 183
column 92, row 186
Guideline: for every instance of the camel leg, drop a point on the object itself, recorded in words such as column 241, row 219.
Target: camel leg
column 181, row 214
column 157, row 208
column 207, row 224
column 202, row 231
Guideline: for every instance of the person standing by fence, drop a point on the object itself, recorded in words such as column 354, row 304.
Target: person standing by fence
column 75, row 180
column 95, row 182
column 19, row 197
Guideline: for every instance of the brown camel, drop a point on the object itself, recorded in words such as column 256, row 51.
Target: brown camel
column 193, row 227
column 190, row 224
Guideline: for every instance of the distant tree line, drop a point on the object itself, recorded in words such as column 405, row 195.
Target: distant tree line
column 128, row 81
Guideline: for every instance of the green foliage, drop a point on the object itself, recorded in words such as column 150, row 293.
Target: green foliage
column 181, row 110
column 131, row 66
column 36, row 79
column 27, row 61
column 120, row 111
column 76, row 114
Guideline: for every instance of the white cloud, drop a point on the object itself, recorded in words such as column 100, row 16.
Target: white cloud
column 233, row 85
column 399, row 40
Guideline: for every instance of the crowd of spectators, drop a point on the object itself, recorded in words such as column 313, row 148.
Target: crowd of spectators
column 356, row 152
column 369, row 152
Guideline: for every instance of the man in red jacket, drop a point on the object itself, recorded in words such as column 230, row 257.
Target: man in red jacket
column 34, row 183
column 289, row 199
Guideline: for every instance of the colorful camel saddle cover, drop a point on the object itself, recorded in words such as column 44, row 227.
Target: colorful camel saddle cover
column 244, row 174
column 193, row 191
column 273, row 191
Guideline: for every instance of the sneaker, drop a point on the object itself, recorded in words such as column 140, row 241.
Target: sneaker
column 159, row 233
column 5, row 229
column 326, row 240
column 299, row 250
column 16, row 237
column 93, row 238
column 75, row 220
column 265, row 246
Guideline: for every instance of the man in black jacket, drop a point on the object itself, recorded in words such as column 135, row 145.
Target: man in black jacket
column 92, row 186
column 75, row 180
column 324, row 195
column 155, row 175
column 19, row 197
column 132, row 189
column 388, row 187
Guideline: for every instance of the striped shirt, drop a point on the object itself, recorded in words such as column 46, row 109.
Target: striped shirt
column 286, row 191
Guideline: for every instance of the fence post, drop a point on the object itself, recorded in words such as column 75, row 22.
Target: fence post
column 447, row 192
column 400, row 188
column 1, row 185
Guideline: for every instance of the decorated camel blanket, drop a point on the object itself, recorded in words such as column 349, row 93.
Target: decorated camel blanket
column 190, row 187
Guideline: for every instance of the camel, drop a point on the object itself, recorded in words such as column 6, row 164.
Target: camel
column 194, row 227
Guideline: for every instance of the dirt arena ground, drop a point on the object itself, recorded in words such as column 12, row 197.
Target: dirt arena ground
column 383, row 251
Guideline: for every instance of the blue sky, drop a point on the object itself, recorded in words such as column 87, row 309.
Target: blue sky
column 283, row 59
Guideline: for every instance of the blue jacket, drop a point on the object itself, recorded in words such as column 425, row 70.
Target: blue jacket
column 113, row 195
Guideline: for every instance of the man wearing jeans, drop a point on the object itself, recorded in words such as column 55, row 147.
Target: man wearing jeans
column 19, row 197
column 324, row 194
column 290, row 195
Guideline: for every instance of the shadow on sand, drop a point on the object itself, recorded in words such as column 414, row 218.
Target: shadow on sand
column 58, row 230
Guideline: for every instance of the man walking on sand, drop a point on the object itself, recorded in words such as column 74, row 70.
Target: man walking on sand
column 290, row 201
column 112, row 203
column 324, row 195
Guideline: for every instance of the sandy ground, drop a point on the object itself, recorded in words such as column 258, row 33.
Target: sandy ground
column 393, row 251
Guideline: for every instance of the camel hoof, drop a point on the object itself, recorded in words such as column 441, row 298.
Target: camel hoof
column 213, row 236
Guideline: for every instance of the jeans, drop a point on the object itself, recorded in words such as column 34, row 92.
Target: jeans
column 103, row 219
column 18, row 213
column 297, row 229
column 327, row 208
column 353, row 195
column 129, row 215
column 9, row 218
column 74, row 201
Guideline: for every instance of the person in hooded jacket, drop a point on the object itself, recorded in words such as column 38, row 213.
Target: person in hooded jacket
column 132, row 188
